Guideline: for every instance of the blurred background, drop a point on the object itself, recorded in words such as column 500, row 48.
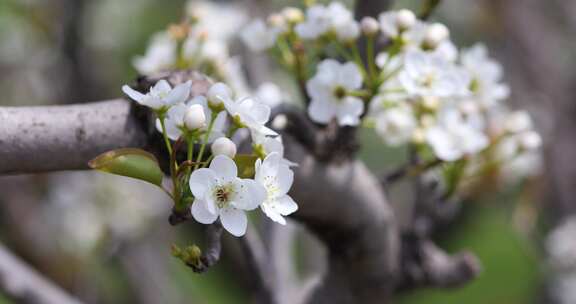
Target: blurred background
column 106, row 239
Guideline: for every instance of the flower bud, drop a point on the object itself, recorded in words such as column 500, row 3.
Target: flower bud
column 435, row 34
column 369, row 26
column 518, row 121
column 530, row 140
column 223, row 146
column 293, row 15
column 195, row 117
column 217, row 93
column 277, row 21
column 405, row 19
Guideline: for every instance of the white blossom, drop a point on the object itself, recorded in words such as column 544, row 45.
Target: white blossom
column 160, row 55
column 453, row 137
column 322, row 19
column 223, row 146
column 328, row 90
column 428, row 74
column 369, row 25
column 220, row 193
column 277, row 178
column 257, row 36
column 393, row 23
column 435, row 34
column 486, row 74
column 396, row 125
column 161, row 96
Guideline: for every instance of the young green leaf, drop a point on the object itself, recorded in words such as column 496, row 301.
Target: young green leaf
column 130, row 162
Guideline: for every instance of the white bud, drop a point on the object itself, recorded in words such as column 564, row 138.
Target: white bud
column 435, row 34
column 293, row 15
column 223, row 146
column 369, row 26
column 518, row 121
column 280, row 122
column 530, row 140
column 195, row 117
column 217, row 93
column 405, row 19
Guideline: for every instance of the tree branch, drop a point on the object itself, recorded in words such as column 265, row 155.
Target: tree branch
column 24, row 285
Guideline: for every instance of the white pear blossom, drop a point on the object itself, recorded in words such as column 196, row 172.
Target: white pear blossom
column 219, row 193
column 369, row 25
column 161, row 96
column 223, row 146
column 396, row 125
column 428, row 74
column 322, row 19
column 257, row 36
column 277, row 178
column 435, row 34
column 453, row 137
column 329, row 89
column 160, row 55
column 486, row 86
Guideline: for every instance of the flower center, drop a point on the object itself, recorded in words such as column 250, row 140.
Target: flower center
column 428, row 80
column 223, row 195
column 339, row 92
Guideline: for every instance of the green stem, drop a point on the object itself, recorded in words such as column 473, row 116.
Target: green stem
column 371, row 59
column 164, row 134
column 359, row 61
column 205, row 140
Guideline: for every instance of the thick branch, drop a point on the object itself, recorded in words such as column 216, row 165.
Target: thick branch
column 36, row 139
column 24, row 285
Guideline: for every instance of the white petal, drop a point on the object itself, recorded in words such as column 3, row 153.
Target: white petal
column 180, row 93
column 273, row 214
column 250, row 195
column 201, row 214
column 201, row 181
column 285, row 178
column 350, row 76
column 161, row 86
column 234, row 221
column 349, row 111
column 137, row 96
column 285, row 205
column 321, row 111
column 224, row 167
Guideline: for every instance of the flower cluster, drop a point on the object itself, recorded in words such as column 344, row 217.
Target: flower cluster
column 220, row 184
column 418, row 89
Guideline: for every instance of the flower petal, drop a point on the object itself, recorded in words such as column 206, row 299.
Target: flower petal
column 201, row 214
column 201, row 181
column 135, row 95
column 273, row 214
column 349, row 111
column 179, row 94
column 250, row 196
column 321, row 111
column 234, row 221
column 285, row 205
column 224, row 167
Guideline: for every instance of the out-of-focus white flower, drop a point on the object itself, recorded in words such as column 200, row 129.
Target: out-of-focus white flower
column 518, row 121
column 561, row 245
column 486, row 75
column 220, row 193
column 396, row 125
column 160, row 55
column 223, row 146
column 293, row 14
column 218, row 93
column 393, row 23
column 270, row 94
column 322, row 19
column 208, row 17
column 161, row 96
column 369, row 25
column 453, row 137
column 277, row 178
column 257, row 36
column 435, row 34
column 328, row 90
column 427, row 74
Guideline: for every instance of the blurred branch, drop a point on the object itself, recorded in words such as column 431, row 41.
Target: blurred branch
column 371, row 8
column 428, row 8
column 258, row 262
column 212, row 249
column 24, row 285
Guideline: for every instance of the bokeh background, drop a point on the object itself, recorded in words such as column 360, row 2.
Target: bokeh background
column 106, row 239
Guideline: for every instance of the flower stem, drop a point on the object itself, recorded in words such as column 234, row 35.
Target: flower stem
column 205, row 140
column 164, row 134
column 371, row 59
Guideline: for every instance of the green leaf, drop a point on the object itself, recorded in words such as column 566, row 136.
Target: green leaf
column 245, row 165
column 130, row 162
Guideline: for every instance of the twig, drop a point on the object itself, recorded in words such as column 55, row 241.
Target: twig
column 428, row 8
column 211, row 252
column 25, row 285
column 258, row 262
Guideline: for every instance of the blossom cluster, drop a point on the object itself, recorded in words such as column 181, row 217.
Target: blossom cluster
column 215, row 185
column 418, row 89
